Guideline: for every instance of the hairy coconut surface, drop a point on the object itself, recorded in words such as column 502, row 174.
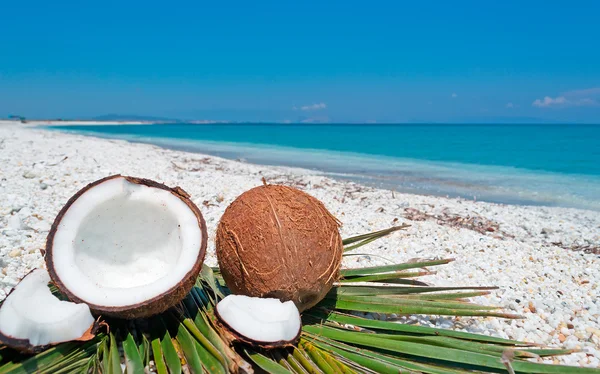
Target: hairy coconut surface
column 262, row 322
column 32, row 318
column 128, row 247
column 277, row 241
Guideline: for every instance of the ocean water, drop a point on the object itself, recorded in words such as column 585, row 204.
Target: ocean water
column 555, row 165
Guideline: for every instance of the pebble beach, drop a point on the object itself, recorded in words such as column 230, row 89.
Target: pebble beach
column 545, row 260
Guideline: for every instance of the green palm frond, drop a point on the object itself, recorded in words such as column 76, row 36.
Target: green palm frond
column 339, row 335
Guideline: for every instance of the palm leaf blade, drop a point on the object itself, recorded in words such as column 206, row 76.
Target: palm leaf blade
column 411, row 329
column 266, row 364
column 188, row 346
column 133, row 359
column 391, row 268
column 114, row 358
column 157, row 354
column 170, row 355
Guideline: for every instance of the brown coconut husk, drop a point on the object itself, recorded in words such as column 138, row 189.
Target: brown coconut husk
column 277, row 241
column 152, row 306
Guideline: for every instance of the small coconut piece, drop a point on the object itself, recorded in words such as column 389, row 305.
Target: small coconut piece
column 262, row 322
column 32, row 318
column 277, row 241
column 128, row 247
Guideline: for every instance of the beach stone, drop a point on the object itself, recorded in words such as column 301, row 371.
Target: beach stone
column 14, row 222
column 9, row 281
column 16, row 207
column 15, row 253
column 25, row 212
column 29, row 174
column 9, row 233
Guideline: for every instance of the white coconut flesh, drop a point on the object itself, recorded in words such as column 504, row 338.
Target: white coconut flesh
column 261, row 320
column 32, row 312
column 122, row 243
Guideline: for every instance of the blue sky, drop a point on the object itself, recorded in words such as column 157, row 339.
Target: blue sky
column 385, row 61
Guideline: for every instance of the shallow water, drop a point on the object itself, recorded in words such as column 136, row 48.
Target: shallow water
column 556, row 165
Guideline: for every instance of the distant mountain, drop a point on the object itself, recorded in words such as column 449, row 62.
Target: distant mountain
column 132, row 117
column 503, row 120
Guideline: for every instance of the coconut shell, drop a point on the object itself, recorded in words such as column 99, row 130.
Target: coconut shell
column 149, row 307
column 277, row 241
column 24, row 346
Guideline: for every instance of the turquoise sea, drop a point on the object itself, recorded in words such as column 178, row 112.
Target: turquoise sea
column 557, row 165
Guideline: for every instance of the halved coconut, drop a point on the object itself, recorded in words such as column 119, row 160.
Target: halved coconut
column 128, row 247
column 32, row 318
column 263, row 322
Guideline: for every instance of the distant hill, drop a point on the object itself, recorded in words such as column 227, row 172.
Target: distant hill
column 504, row 120
column 132, row 117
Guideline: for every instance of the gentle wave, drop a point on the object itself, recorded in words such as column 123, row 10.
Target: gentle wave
column 498, row 184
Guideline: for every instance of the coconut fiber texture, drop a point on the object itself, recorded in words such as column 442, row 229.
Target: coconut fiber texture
column 277, row 241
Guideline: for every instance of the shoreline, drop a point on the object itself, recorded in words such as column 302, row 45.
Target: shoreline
column 53, row 122
column 532, row 253
column 471, row 181
column 37, row 123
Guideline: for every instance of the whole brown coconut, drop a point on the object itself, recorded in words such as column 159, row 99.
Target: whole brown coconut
column 277, row 241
